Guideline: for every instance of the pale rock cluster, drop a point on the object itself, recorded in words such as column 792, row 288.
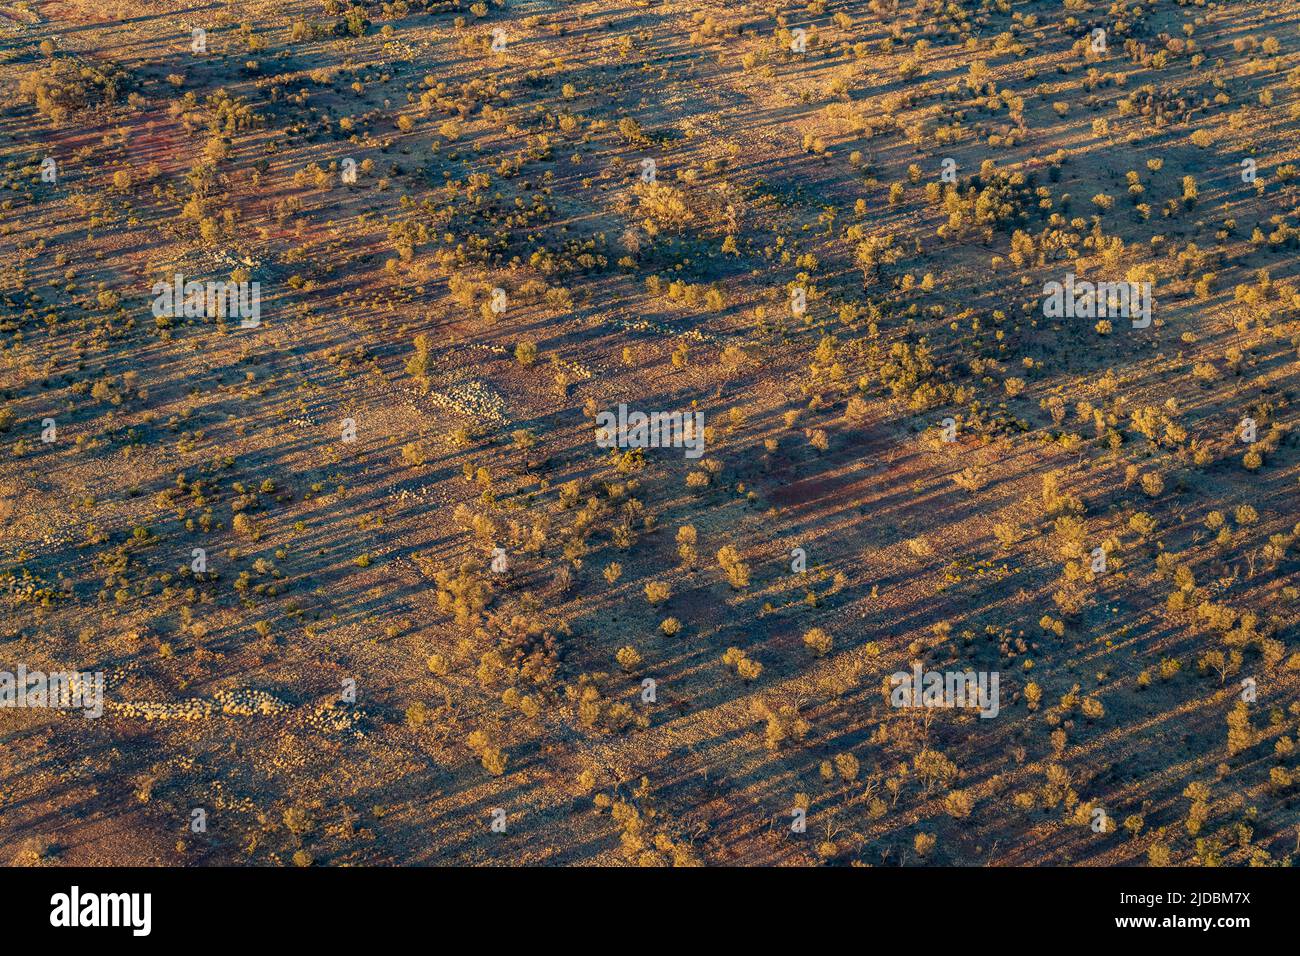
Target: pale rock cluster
column 232, row 703
column 475, row 398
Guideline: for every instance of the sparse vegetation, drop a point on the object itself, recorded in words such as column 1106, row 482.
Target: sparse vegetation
column 385, row 524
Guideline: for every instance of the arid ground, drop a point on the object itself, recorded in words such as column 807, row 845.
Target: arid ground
column 366, row 584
